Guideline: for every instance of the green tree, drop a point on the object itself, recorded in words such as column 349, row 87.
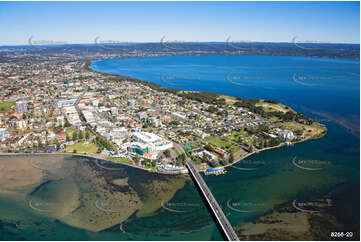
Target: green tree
column 167, row 153
column 75, row 135
column 80, row 135
column 136, row 158
column 231, row 158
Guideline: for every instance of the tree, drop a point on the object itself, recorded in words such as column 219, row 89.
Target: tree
column 80, row 135
column 136, row 158
column 56, row 142
column 67, row 124
column 39, row 143
column 231, row 158
column 87, row 134
column 75, row 135
column 224, row 162
column 167, row 153
column 67, row 138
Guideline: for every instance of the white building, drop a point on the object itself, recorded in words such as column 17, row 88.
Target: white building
column 119, row 133
column 4, row 134
column 148, row 143
column 60, row 120
column 114, row 110
column 286, row 134
column 22, row 107
column 179, row 116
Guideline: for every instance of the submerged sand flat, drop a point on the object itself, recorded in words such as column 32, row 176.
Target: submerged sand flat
column 16, row 174
column 78, row 192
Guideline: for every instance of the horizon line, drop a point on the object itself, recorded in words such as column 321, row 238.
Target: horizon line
column 177, row 42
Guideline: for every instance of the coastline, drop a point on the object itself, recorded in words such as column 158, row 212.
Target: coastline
column 87, row 67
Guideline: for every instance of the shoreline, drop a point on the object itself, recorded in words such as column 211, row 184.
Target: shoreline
column 148, row 169
column 88, row 64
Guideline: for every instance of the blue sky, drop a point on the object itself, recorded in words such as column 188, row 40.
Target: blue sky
column 82, row 22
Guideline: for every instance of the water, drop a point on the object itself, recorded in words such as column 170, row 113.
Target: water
column 322, row 86
column 243, row 195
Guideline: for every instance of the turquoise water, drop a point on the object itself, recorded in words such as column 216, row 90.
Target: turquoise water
column 323, row 88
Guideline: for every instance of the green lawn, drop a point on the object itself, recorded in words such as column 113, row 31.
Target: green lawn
column 225, row 146
column 235, row 135
column 176, row 151
column 70, row 132
column 219, row 143
column 273, row 119
column 116, row 159
column 5, row 106
column 81, row 148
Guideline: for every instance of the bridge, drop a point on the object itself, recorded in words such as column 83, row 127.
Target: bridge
column 217, row 212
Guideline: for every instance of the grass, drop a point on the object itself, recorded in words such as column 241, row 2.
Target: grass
column 69, row 132
column 271, row 107
column 273, row 119
column 176, row 151
column 235, row 135
column 6, row 106
column 225, row 146
column 293, row 126
column 208, row 137
column 121, row 160
column 220, row 143
column 82, row 149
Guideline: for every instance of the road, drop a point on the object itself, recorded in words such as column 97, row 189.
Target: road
column 221, row 219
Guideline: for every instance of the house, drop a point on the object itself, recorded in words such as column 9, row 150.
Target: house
column 286, row 134
column 141, row 115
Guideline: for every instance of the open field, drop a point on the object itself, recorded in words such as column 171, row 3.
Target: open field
column 81, row 148
column 5, row 106
column 273, row 107
column 225, row 146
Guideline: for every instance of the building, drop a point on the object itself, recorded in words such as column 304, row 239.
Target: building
column 179, row 116
column 65, row 103
column 119, row 133
column 148, row 143
column 141, row 115
column 132, row 102
column 154, row 122
column 114, row 110
column 286, row 134
column 4, row 134
column 60, row 120
column 138, row 148
column 22, row 107
column 21, row 124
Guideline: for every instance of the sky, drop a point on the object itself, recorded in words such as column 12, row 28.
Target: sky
column 82, row 22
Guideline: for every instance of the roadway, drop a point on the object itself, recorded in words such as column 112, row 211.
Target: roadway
column 221, row 219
